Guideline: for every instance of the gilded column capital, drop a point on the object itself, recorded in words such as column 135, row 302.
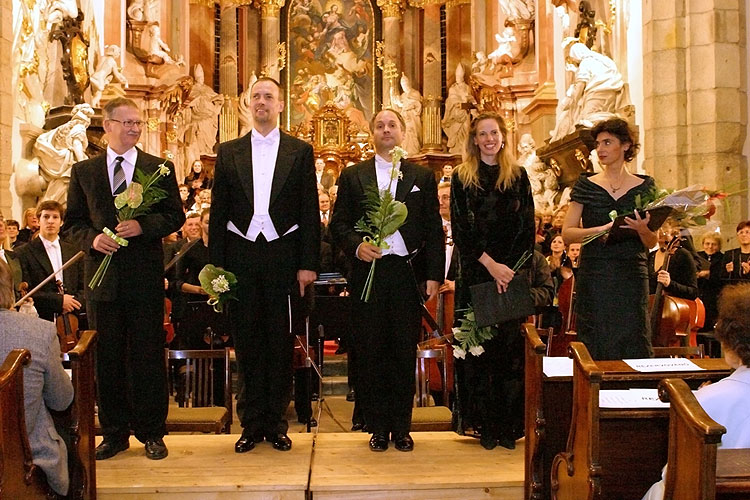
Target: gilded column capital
column 269, row 8
column 391, row 8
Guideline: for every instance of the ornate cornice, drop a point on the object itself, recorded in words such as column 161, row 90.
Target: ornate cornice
column 269, row 8
column 420, row 4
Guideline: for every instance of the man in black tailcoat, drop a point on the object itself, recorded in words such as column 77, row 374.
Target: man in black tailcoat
column 265, row 228
column 387, row 327
column 127, row 308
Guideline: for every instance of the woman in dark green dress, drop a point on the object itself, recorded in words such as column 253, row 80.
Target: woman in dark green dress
column 612, row 279
column 492, row 219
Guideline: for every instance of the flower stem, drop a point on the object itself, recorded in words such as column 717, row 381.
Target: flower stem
column 365, row 297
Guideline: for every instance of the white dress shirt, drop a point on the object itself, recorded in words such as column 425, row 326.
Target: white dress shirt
column 383, row 171
column 265, row 150
column 55, row 255
column 128, row 165
column 448, row 248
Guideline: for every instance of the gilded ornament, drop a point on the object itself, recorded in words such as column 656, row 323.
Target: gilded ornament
column 152, row 124
column 391, row 8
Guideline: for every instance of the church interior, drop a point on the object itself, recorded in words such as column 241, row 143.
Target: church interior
column 676, row 70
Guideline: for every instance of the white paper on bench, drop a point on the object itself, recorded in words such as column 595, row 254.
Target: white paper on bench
column 630, row 398
column 557, row 366
column 662, row 365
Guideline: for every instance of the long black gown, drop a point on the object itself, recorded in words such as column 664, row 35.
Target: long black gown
column 489, row 387
column 612, row 279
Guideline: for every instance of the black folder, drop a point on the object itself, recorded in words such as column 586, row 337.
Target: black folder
column 491, row 307
column 621, row 232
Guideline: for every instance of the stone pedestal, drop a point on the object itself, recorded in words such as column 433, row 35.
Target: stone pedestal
column 541, row 112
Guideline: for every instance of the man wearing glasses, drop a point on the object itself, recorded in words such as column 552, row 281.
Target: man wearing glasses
column 127, row 307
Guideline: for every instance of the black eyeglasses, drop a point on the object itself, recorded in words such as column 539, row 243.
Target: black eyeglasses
column 128, row 123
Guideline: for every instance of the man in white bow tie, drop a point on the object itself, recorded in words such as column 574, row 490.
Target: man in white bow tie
column 387, row 326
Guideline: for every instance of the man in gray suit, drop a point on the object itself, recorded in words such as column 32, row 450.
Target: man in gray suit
column 45, row 383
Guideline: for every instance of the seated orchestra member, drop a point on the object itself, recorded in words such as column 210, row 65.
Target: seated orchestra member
column 557, row 259
column 191, row 230
column 8, row 256
column 47, row 253
column 451, row 254
column 184, row 196
column 31, row 225
column 45, row 383
column 737, row 261
column 709, row 277
column 554, row 229
column 680, row 277
column 726, row 401
column 13, row 227
column 541, row 284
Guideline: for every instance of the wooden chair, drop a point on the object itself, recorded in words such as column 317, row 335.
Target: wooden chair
column 19, row 477
column 424, row 416
column 199, row 413
column 692, row 352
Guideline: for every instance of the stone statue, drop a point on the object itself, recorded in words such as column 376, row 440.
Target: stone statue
column 482, row 64
column 203, row 107
column 105, row 73
column 598, row 88
column 503, row 54
column 457, row 119
column 136, row 10
column 409, row 104
column 543, row 180
column 157, row 47
column 244, row 113
column 517, row 9
column 58, row 149
column 59, row 10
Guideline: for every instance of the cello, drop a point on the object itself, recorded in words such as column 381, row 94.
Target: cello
column 670, row 317
column 563, row 335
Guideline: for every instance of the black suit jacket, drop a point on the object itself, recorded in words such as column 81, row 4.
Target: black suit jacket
column 36, row 266
column 423, row 229
column 91, row 208
column 294, row 197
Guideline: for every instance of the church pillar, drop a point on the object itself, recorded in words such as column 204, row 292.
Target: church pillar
column 228, row 52
column 432, row 133
column 391, row 42
column 271, row 29
column 6, row 105
column 695, row 113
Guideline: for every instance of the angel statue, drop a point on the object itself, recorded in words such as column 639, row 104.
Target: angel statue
column 106, row 72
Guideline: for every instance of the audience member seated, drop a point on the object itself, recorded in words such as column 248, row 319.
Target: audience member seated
column 554, row 229
column 447, row 173
column 9, row 257
column 726, row 401
column 324, row 177
column 198, row 178
column 191, row 230
column 737, row 261
column 13, row 227
column 42, row 255
column 709, row 277
column 185, row 196
column 558, row 261
column 45, row 383
column 680, row 277
column 31, row 225
column 202, row 201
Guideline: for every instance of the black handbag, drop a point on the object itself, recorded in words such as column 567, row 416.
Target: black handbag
column 491, row 307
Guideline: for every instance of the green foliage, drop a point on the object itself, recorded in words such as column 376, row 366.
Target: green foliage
column 467, row 335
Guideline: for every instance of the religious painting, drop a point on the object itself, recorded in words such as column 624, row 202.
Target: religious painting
column 330, row 46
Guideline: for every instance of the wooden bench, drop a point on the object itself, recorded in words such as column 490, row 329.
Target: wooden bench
column 20, row 477
column 698, row 469
column 614, row 454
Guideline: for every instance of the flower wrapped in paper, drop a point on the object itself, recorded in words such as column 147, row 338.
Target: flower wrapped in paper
column 219, row 284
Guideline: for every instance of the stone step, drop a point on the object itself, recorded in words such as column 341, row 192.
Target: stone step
column 335, row 386
column 334, row 366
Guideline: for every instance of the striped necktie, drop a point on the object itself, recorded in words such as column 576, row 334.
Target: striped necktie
column 118, row 179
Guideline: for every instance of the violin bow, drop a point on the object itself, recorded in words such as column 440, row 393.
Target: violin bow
column 46, row 280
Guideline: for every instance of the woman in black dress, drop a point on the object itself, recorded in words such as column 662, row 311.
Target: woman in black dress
column 492, row 219
column 709, row 278
column 612, row 279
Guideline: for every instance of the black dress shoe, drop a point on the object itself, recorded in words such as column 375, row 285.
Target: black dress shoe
column 156, row 449
column 488, row 442
column 280, row 441
column 379, row 441
column 358, row 426
column 350, row 396
column 108, row 448
column 244, row 444
column 507, row 442
column 403, row 441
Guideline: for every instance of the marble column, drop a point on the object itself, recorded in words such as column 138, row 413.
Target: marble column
column 228, row 69
column 391, row 40
column 432, row 133
column 271, row 29
column 695, row 108
column 6, row 105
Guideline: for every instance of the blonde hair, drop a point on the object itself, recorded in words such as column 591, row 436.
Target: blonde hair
column 7, row 296
column 468, row 171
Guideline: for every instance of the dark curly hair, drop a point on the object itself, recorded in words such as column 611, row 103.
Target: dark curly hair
column 733, row 327
column 620, row 129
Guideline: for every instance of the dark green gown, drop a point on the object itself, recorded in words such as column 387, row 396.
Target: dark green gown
column 612, row 279
column 489, row 387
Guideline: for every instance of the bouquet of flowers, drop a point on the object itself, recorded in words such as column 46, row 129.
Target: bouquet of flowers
column 135, row 201
column 383, row 216
column 219, row 284
column 691, row 206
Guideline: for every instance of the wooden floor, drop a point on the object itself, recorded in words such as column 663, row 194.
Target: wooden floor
column 327, row 466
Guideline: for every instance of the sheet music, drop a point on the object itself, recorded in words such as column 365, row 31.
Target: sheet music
column 631, row 398
column 650, row 365
column 557, row 366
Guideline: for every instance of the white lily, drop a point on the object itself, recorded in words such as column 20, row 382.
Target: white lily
column 476, row 350
column 459, row 353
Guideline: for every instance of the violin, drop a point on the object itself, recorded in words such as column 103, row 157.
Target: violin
column 670, row 317
column 67, row 326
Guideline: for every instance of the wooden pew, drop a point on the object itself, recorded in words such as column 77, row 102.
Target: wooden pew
column 698, row 469
column 19, row 477
column 614, row 454
column 76, row 425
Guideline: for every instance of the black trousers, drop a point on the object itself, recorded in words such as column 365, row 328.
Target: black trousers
column 260, row 327
column 386, row 331
column 130, row 369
